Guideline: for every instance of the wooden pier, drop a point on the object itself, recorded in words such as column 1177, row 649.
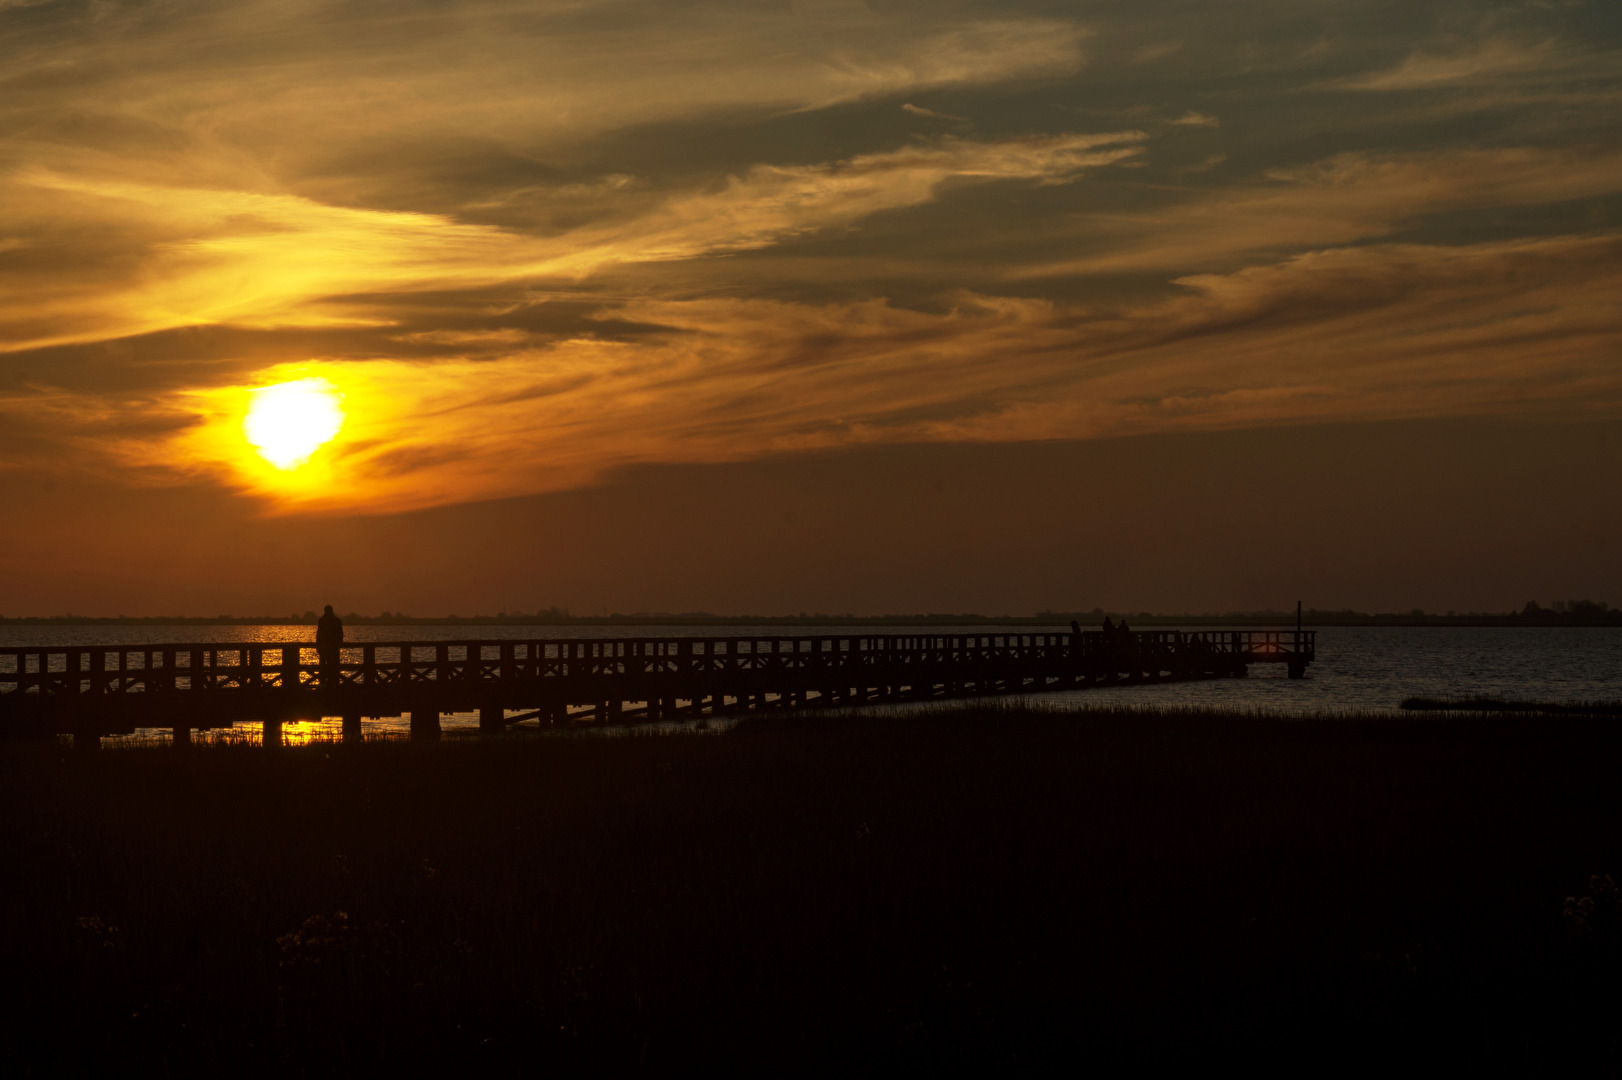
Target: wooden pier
column 91, row 691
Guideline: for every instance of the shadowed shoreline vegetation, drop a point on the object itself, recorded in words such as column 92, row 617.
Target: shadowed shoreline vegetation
column 1510, row 705
column 983, row 886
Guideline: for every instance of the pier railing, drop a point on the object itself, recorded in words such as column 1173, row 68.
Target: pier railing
column 218, row 682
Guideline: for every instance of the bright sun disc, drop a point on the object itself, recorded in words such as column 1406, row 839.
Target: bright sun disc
column 290, row 421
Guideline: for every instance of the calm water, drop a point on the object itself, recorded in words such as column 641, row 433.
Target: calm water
column 1357, row 669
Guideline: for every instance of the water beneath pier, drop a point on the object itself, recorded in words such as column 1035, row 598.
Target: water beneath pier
column 1358, row 669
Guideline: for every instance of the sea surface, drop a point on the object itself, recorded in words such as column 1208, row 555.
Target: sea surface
column 1359, row 670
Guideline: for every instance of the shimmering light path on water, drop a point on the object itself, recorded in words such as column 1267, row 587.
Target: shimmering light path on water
column 1358, row 669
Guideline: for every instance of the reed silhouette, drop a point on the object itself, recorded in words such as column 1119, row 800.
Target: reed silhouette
column 993, row 886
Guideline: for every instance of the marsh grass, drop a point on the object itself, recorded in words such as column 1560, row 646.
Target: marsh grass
column 1488, row 704
column 947, row 892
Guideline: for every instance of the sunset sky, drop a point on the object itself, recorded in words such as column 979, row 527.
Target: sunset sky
column 814, row 306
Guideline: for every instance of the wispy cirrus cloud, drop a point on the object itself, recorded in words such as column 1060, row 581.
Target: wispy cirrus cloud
column 1374, row 332
column 931, row 114
column 1484, row 62
column 283, row 260
column 1340, row 200
column 593, row 234
column 263, row 93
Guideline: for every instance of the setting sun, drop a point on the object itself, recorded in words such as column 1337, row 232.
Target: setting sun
column 288, row 422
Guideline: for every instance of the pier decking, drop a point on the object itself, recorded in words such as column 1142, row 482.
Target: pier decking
column 90, row 691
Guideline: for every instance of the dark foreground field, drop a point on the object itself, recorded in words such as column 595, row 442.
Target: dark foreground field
column 946, row 894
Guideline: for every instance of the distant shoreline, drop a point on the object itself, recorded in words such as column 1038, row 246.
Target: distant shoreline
column 1089, row 620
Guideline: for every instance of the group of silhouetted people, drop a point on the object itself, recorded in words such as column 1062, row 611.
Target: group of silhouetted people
column 1116, row 635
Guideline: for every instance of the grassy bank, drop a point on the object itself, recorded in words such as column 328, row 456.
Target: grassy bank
column 1503, row 705
column 950, row 892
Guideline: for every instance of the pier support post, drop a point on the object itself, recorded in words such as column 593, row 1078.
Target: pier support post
column 271, row 734
column 492, row 719
column 425, row 723
column 181, row 735
column 1298, row 669
column 352, row 729
column 72, row 718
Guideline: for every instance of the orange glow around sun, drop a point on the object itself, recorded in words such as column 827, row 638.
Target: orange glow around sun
column 288, row 422
column 286, row 437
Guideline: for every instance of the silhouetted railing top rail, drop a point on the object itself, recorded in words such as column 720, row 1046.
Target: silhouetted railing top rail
column 291, row 666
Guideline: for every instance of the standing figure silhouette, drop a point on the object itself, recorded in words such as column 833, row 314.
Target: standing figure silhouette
column 329, row 638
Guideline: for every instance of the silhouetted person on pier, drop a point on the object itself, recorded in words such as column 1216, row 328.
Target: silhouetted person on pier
column 329, row 638
column 1109, row 628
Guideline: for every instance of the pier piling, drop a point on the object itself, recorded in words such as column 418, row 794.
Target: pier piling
column 425, row 723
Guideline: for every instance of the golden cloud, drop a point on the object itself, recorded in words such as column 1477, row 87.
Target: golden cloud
column 219, row 256
column 1371, row 332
